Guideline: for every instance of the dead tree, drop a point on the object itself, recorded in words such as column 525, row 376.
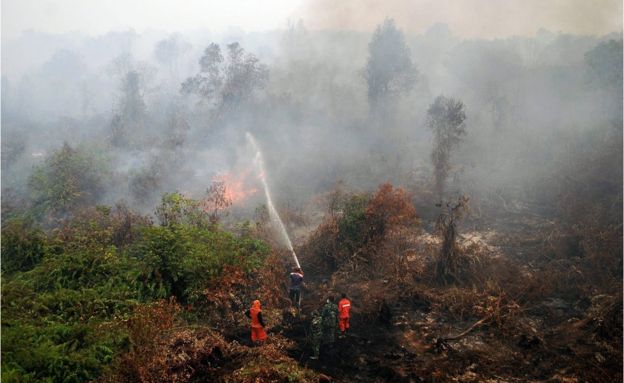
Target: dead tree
column 445, row 118
column 449, row 262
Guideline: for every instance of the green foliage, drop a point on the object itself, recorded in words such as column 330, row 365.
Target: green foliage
column 52, row 314
column 353, row 227
column 367, row 218
column 102, row 227
column 181, row 260
column 159, row 252
column 56, row 353
column 23, row 246
column 67, row 293
column 227, row 82
column 57, row 335
column 69, row 179
column 176, row 209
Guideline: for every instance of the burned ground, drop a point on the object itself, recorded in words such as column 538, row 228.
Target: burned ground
column 519, row 311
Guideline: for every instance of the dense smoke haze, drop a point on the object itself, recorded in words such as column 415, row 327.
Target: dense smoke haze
column 527, row 101
column 454, row 167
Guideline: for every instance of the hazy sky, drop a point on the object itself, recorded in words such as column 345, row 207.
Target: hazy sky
column 471, row 18
column 466, row 18
column 100, row 16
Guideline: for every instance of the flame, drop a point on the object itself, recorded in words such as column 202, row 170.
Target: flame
column 237, row 186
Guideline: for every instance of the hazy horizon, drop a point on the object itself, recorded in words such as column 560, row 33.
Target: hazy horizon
column 466, row 19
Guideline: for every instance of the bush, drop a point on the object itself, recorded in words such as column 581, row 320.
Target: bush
column 176, row 209
column 389, row 208
column 42, row 349
column 354, row 229
column 101, row 227
column 181, row 260
column 23, row 246
column 63, row 293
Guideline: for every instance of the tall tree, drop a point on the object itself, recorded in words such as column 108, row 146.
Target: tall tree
column 127, row 124
column 445, row 118
column 226, row 83
column 605, row 65
column 207, row 83
column 70, row 178
column 389, row 70
column 604, row 72
column 243, row 75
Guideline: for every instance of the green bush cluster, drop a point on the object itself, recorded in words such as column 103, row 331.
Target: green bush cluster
column 179, row 260
column 22, row 246
column 353, row 225
column 65, row 292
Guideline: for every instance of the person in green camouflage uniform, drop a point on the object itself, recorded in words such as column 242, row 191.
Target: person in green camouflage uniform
column 329, row 317
column 316, row 334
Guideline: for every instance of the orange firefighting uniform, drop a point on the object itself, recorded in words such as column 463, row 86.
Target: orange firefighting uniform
column 343, row 318
column 257, row 328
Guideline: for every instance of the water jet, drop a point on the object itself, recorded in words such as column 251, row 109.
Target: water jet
column 274, row 216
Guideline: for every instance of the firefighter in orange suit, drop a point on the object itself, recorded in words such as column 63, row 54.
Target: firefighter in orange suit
column 257, row 324
column 344, row 306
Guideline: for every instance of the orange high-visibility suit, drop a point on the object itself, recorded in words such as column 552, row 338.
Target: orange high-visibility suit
column 343, row 318
column 257, row 324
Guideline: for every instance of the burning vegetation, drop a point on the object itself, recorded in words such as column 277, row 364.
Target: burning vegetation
column 477, row 237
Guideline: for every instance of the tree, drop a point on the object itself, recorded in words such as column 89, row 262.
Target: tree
column 127, row 125
column 176, row 209
column 243, row 75
column 13, row 147
column 445, row 118
column 449, row 261
column 69, row 179
column 207, row 83
column 605, row 65
column 389, row 69
column 216, row 200
column 227, row 83
column 604, row 72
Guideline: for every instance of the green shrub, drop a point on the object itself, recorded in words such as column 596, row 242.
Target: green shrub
column 23, row 246
column 181, row 259
column 67, row 294
column 353, row 226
